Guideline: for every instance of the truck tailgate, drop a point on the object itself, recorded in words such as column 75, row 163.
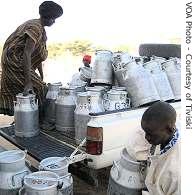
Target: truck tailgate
column 39, row 147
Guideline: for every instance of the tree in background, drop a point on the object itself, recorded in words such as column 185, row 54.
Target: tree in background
column 77, row 48
column 80, row 47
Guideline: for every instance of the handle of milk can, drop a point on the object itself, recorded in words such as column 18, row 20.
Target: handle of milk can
column 14, row 103
column 68, row 177
column 60, row 185
column 89, row 102
column 124, row 105
column 115, row 165
column 13, row 180
column 117, row 106
column 21, row 191
column 128, row 104
column 106, row 103
column 105, row 96
column 163, row 67
column 142, row 168
column 124, row 74
column 33, row 103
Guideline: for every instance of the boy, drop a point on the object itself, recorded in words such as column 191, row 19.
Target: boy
column 158, row 123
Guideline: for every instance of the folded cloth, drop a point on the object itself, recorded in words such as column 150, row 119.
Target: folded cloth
column 138, row 147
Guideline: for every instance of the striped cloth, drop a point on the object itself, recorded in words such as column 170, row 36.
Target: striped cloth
column 12, row 78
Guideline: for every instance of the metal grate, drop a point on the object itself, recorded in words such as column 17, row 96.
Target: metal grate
column 39, row 147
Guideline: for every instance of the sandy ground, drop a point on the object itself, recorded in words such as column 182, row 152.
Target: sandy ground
column 80, row 186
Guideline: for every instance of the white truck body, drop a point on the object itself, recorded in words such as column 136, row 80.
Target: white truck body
column 117, row 130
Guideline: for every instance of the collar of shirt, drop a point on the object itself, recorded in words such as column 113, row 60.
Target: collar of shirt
column 171, row 143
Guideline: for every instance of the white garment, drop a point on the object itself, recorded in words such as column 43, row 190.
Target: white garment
column 163, row 177
column 85, row 73
column 76, row 81
column 138, row 147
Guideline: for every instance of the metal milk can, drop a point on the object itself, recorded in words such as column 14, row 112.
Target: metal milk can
column 102, row 68
column 26, row 116
column 127, row 177
column 12, row 171
column 141, row 59
column 41, row 183
column 95, row 102
column 140, row 85
column 59, row 166
column 160, row 80
column 116, row 100
column 178, row 61
column 65, row 106
column 173, row 71
column 87, row 102
column 49, row 109
column 99, row 89
column 81, row 116
column 160, row 60
column 118, row 88
column 119, row 60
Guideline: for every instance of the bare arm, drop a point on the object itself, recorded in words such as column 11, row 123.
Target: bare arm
column 28, row 50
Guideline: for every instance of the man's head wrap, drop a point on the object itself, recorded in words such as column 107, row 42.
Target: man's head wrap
column 87, row 58
column 50, row 9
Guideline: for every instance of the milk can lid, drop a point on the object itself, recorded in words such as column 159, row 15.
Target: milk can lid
column 54, row 163
column 21, row 96
column 41, row 180
column 12, row 156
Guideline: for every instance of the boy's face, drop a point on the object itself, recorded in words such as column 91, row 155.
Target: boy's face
column 86, row 63
column 156, row 133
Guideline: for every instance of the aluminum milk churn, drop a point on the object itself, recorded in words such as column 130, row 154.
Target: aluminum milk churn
column 81, row 116
column 119, row 60
column 49, row 109
column 160, row 79
column 127, row 176
column 140, row 85
column 95, row 102
column 160, row 60
column 59, row 166
column 102, row 68
column 41, row 183
column 26, row 116
column 12, row 171
column 116, row 100
column 87, row 102
column 118, row 88
column 65, row 106
column 98, row 89
column 173, row 71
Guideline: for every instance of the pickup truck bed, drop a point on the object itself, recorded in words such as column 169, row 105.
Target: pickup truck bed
column 39, row 147
column 53, row 144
